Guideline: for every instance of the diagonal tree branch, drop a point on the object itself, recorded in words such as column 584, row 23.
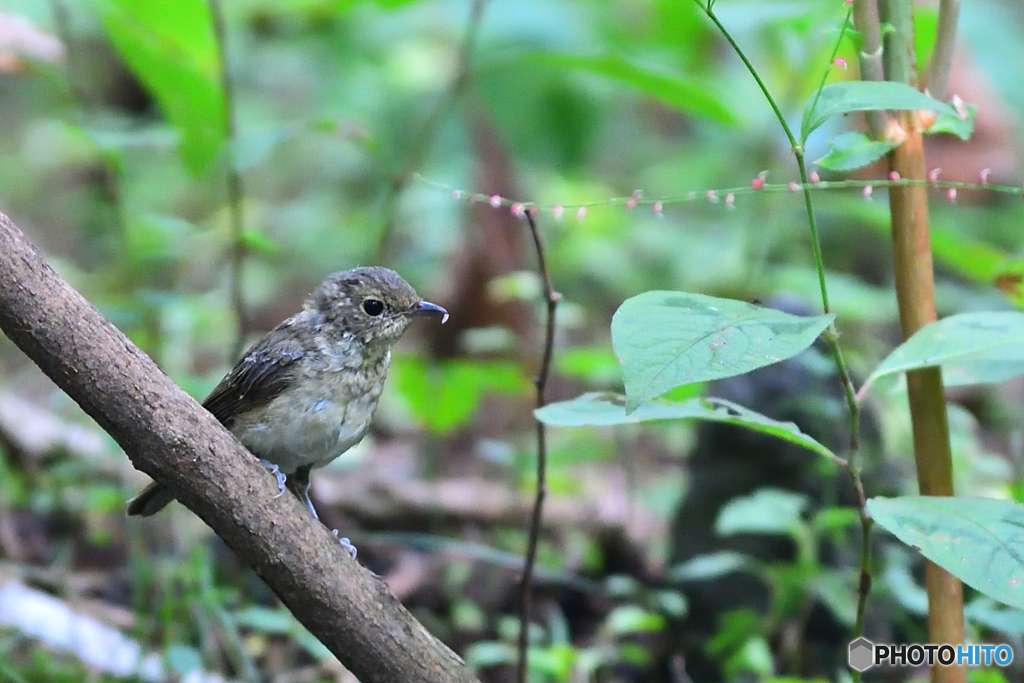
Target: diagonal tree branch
column 170, row 437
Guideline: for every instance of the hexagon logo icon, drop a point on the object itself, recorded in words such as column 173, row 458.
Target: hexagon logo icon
column 862, row 654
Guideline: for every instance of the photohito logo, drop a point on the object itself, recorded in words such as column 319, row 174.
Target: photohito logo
column 864, row 654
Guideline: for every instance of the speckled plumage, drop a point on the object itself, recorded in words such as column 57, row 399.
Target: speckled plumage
column 305, row 393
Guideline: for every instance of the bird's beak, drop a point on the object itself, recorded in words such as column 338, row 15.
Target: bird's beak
column 427, row 308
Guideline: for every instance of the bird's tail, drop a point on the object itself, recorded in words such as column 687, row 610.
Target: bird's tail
column 152, row 500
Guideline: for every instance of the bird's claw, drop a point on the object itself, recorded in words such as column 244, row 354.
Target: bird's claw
column 276, row 471
column 345, row 543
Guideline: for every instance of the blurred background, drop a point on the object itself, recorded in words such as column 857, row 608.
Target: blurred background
column 670, row 552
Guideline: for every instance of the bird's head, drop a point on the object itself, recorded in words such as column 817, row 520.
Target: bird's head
column 374, row 304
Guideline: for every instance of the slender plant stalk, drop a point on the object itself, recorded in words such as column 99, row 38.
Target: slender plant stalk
column 852, row 463
column 915, row 293
column 424, row 136
column 551, row 299
column 234, row 183
column 932, row 455
column 942, row 57
column 865, row 18
column 898, row 57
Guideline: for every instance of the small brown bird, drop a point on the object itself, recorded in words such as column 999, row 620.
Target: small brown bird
column 304, row 393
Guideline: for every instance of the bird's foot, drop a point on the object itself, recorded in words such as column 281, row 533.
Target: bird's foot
column 345, row 543
column 276, row 471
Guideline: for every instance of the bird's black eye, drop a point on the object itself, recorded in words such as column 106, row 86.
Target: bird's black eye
column 373, row 307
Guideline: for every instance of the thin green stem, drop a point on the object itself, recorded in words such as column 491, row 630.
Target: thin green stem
column 718, row 193
column 831, row 335
column 709, row 11
column 899, row 56
column 831, row 61
column 234, row 183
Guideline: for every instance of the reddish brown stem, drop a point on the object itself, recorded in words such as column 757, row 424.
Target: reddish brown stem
column 551, row 298
column 915, row 291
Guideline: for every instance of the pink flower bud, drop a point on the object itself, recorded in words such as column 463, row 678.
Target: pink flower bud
column 710, row 196
column 983, row 175
column 866, row 192
column 951, row 194
column 792, row 187
column 633, row 199
column 657, row 208
column 894, row 176
column 933, row 175
column 814, row 177
column 495, row 200
column 581, row 213
column 558, row 212
column 518, row 210
column 730, row 200
column 840, row 62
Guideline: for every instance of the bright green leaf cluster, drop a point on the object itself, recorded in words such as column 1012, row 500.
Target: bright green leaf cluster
column 171, row 47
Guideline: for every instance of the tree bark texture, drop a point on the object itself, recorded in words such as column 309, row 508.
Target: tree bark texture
column 169, row 436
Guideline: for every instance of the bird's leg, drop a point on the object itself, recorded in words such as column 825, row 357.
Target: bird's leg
column 300, row 481
column 276, row 471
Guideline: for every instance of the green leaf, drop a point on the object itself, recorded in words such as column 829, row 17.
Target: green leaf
column 632, row 618
column 605, row 409
column 963, row 128
column 978, row 540
column 667, row 339
column 258, row 243
column 766, row 511
column 972, row 348
column 686, row 96
column 170, row 45
column 853, row 150
column 488, row 653
column 850, row 96
column 711, row 566
column 266, row 619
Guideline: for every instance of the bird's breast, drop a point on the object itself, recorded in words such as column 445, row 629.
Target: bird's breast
column 312, row 422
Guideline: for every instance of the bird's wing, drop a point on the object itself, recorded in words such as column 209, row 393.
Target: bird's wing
column 262, row 374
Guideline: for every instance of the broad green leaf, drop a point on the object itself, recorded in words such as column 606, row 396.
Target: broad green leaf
column 667, row 339
column 170, row 45
column 978, row 540
column 687, row 96
column 972, row 348
column 766, row 511
column 605, row 409
column 954, row 125
column 851, row 96
column 853, row 150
